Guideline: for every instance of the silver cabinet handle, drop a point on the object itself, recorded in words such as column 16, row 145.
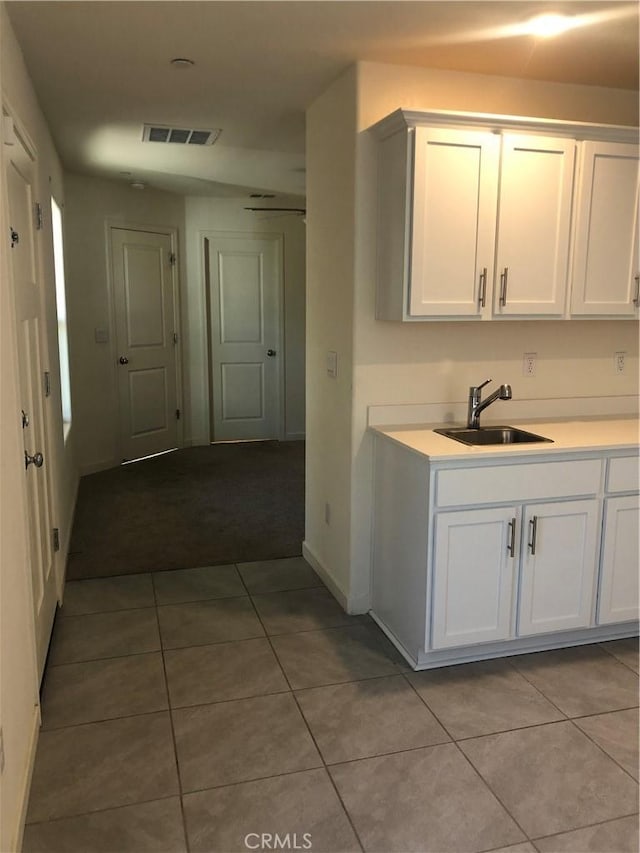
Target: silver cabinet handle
column 503, row 286
column 636, row 298
column 533, row 529
column 482, row 289
column 511, row 547
column 37, row 459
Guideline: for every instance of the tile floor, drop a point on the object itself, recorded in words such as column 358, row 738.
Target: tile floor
column 196, row 710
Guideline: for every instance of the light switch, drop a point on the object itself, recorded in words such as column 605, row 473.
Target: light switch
column 101, row 336
column 332, row 364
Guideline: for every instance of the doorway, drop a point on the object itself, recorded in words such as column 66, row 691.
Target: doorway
column 244, row 284
column 147, row 341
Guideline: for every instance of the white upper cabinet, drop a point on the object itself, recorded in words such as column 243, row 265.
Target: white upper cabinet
column 453, row 236
column 487, row 218
column 534, row 219
column 605, row 263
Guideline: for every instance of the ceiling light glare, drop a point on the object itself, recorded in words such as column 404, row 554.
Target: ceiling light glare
column 546, row 26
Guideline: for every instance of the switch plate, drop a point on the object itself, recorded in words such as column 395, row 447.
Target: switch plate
column 619, row 361
column 529, row 363
column 101, row 336
column 332, row 364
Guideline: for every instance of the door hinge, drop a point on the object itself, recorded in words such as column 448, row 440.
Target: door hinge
column 47, row 384
column 39, row 216
column 15, row 237
column 56, row 539
column 177, row 414
column 172, row 259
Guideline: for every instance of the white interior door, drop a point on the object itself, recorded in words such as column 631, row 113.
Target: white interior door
column 20, row 172
column 245, row 275
column 146, row 338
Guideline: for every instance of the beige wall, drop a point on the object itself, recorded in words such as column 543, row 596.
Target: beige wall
column 91, row 203
column 436, row 362
column 228, row 215
column 19, row 714
column 331, row 238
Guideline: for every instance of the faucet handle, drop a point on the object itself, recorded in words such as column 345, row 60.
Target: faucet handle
column 482, row 384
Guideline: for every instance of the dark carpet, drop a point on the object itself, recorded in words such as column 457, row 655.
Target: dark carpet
column 201, row 506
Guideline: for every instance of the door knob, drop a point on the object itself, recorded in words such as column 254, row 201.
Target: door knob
column 123, row 359
column 271, row 353
column 37, row 459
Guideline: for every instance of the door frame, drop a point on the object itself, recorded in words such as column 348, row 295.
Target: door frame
column 205, row 238
column 167, row 231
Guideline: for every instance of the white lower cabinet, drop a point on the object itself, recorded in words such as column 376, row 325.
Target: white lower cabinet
column 472, row 561
column 618, row 599
column 559, row 561
column 472, row 577
column 548, row 551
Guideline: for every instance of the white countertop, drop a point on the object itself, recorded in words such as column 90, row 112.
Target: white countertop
column 588, row 434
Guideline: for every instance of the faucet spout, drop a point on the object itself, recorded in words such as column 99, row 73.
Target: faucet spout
column 477, row 405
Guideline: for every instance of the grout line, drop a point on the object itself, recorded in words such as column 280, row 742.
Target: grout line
column 173, row 735
column 103, row 660
column 604, row 648
column 105, row 720
column 603, row 750
column 539, row 690
column 578, row 828
column 72, row 616
column 490, row 789
column 59, row 818
column 311, row 735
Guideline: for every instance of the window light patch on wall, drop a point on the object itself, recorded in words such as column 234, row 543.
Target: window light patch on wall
column 179, row 135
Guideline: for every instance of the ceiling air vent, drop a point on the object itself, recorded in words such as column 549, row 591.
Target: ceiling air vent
column 180, row 135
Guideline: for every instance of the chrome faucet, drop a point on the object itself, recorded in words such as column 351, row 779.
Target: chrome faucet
column 477, row 404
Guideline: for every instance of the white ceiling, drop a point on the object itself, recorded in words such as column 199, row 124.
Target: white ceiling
column 101, row 70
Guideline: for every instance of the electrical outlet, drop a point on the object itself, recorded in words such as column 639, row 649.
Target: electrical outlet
column 327, row 514
column 619, row 362
column 529, row 363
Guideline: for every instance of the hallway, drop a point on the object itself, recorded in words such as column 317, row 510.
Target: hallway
column 198, row 709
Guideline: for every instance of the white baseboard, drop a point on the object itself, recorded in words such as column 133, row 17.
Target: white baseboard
column 18, row 829
column 352, row 605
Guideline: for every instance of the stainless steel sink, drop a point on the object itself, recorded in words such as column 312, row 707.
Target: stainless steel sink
column 492, row 435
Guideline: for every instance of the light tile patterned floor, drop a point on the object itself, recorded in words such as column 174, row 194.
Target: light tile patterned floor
column 196, row 710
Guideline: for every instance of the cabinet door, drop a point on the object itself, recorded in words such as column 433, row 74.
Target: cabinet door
column 619, row 575
column 453, row 230
column 473, row 576
column 558, row 566
column 536, row 186
column 605, row 262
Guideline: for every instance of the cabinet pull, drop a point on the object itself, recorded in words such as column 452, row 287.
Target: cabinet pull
column 482, row 290
column 636, row 298
column 503, row 286
column 533, row 528
column 511, row 547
